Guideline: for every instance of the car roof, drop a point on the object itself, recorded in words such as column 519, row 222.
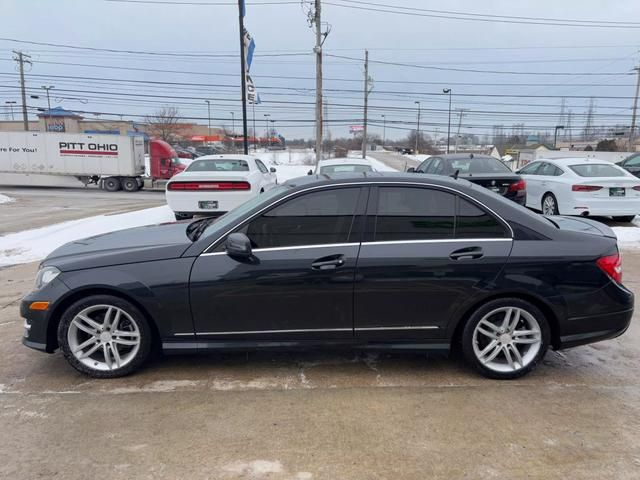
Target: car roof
column 224, row 156
column 461, row 156
column 376, row 177
column 344, row 161
column 574, row 161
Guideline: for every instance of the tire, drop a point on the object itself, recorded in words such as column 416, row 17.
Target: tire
column 132, row 344
column 111, row 184
column 130, row 184
column 549, row 201
column 624, row 218
column 183, row 216
column 493, row 361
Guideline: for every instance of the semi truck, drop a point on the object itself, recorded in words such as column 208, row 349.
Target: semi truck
column 113, row 162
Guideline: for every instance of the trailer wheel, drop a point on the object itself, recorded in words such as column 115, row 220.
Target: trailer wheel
column 130, row 184
column 112, row 184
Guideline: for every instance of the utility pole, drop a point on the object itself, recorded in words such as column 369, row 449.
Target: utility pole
column 255, row 147
column 243, row 73
column 23, row 58
column 233, row 130
column 266, row 129
column 208, row 115
column 417, row 128
column 448, row 91
column 459, row 125
column 384, row 130
column 318, row 51
column 634, row 115
column 367, row 81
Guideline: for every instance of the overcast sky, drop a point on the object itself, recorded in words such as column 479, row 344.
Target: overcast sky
column 286, row 84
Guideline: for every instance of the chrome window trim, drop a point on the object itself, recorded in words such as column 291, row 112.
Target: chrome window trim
column 360, row 184
column 305, row 330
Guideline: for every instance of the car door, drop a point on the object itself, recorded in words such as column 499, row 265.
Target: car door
column 298, row 285
column 268, row 179
column 425, row 254
column 528, row 173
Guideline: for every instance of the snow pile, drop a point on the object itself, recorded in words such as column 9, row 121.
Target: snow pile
column 32, row 245
column 5, row 199
column 628, row 237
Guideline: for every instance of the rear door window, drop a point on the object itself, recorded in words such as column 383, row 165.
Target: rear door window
column 406, row 213
column 474, row 222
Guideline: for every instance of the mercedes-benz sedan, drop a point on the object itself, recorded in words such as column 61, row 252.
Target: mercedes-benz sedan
column 368, row 261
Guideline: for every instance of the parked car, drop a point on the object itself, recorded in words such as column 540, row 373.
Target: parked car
column 342, row 165
column 582, row 186
column 631, row 164
column 483, row 170
column 214, row 184
column 368, row 261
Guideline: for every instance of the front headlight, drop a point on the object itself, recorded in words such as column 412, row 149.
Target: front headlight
column 45, row 275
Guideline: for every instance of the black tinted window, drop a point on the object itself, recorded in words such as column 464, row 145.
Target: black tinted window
column 473, row 222
column 479, row 165
column 414, row 214
column 310, row 219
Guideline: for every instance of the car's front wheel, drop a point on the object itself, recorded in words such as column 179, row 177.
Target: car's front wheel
column 104, row 336
column 505, row 338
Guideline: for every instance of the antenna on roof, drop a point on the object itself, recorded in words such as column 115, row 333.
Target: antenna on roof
column 455, row 174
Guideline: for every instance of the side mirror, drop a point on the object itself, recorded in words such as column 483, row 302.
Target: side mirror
column 411, row 170
column 272, row 169
column 238, row 245
column 310, row 172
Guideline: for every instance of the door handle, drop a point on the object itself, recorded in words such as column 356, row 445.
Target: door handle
column 328, row 263
column 469, row 253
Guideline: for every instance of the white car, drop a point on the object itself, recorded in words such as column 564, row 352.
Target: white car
column 343, row 165
column 582, row 186
column 214, row 184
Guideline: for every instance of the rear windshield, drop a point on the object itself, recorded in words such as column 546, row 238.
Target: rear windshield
column 597, row 170
column 479, row 165
column 218, row 165
column 345, row 168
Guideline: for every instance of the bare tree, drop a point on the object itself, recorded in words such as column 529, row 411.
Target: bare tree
column 165, row 124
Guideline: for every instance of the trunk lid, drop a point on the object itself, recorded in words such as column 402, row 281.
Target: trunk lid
column 495, row 182
column 583, row 225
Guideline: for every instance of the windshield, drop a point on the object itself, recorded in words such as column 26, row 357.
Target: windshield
column 598, row 170
column 230, row 217
column 219, row 165
column 345, row 168
column 479, row 165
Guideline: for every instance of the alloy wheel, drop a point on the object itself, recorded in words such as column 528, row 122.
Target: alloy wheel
column 103, row 337
column 549, row 205
column 507, row 339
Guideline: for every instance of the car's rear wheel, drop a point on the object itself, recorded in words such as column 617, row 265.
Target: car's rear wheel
column 104, row 336
column 624, row 218
column 550, row 205
column 506, row 338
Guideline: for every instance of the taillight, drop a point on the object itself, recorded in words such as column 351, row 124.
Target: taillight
column 208, row 186
column 520, row 185
column 585, row 188
column 612, row 266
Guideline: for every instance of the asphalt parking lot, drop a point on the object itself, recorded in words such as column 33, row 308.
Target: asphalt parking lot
column 313, row 415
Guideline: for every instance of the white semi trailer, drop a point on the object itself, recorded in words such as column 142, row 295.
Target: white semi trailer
column 55, row 159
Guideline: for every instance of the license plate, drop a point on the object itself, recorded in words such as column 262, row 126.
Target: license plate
column 616, row 192
column 208, row 204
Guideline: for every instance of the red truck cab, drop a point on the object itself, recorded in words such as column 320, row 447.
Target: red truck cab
column 163, row 160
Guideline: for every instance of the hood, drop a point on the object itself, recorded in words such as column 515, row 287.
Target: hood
column 140, row 244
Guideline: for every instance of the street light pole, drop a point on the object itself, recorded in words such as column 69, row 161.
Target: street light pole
column 555, row 135
column 266, row 129
column 47, row 88
column 209, row 115
column 417, row 127
column 384, row 130
column 233, row 130
column 448, row 90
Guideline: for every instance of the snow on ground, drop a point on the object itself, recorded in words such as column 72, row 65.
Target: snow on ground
column 628, row 237
column 5, row 199
column 35, row 244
